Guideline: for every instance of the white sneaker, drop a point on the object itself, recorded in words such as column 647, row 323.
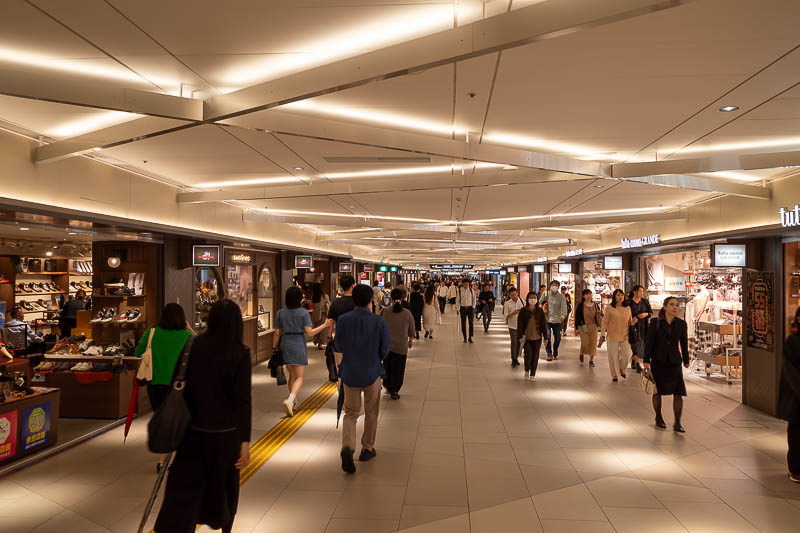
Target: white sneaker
column 288, row 407
column 527, row 375
column 533, row 377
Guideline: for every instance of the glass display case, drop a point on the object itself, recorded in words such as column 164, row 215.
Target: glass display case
column 266, row 285
column 239, row 281
column 208, row 290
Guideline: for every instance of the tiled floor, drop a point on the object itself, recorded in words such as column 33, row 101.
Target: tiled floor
column 469, row 447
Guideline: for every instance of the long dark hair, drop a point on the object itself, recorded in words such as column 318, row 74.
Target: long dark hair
column 430, row 295
column 225, row 322
column 535, row 297
column 294, row 296
column 397, row 296
column 172, row 317
column 316, row 293
column 662, row 313
column 614, row 298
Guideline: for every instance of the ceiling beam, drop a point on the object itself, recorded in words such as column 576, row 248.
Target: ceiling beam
column 715, row 163
column 697, row 183
column 527, row 25
column 98, row 95
column 567, row 221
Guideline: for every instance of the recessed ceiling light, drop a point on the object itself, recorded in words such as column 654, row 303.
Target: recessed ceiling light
column 598, row 186
column 729, row 108
column 297, row 168
column 71, row 233
column 24, row 229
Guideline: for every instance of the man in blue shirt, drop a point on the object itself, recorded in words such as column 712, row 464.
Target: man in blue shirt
column 363, row 338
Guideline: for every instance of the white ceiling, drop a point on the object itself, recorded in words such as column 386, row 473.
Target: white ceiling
column 645, row 88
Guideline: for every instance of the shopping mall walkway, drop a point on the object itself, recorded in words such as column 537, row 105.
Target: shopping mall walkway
column 469, row 447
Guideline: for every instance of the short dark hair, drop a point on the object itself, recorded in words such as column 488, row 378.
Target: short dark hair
column 512, row 289
column 563, row 287
column 294, row 296
column 637, row 287
column 375, row 283
column 542, row 287
column 225, row 322
column 172, row 317
column 554, row 282
column 362, row 295
column 614, row 298
column 346, row 282
column 387, row 285
column 586, row 291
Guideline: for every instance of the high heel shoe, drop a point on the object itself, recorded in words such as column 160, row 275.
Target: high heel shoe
column 677, row 428
column 660, row 423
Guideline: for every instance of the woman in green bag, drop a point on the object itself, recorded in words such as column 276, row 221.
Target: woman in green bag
column 666, row 348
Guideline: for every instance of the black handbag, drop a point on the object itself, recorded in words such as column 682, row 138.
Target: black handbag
column 166, row 429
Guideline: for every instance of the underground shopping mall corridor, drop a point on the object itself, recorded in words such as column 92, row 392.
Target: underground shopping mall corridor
column 469, row 447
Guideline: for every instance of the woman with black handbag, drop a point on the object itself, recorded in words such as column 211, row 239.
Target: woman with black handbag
column 666, row 348
column 203, row 482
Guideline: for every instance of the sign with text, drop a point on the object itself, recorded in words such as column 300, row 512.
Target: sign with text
column 565, row 268
column 675, row 284
column 8, row 435
column 612, row 262
column 205, row 256
column 511, row 269
column 761, row 310
column 729, row 255
column 369, row 268
column 35, row 426
column 790, row 217
column 451, row 267
column 641, row 241
column 523, row 268
column 538, row 268
column 574, row 253
column 242, row 258
column 345, row 267
column 303, row 261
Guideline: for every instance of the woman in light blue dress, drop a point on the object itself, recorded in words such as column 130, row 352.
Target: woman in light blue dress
column 293, row 328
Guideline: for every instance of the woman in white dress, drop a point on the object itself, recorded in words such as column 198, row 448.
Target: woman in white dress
column 430, row 312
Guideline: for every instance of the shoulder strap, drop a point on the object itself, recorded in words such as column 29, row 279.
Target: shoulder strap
column 150, row 338
column 180, row 376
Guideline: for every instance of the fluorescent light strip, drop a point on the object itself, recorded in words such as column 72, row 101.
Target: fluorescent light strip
column 552, row 146
column 94, row 122
column 348, row 231
column 342, row 215
column 570, row 230
column 719, row 147
column 251, row 181
column 731, row 175
column 563, row 215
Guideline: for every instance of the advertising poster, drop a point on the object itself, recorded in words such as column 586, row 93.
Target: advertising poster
column 35, row 426
column 655, row 274
column 761, row 310
column 8, row 435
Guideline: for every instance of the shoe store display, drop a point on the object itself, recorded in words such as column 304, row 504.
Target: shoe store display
column 101, row 314
column 124, row 291
column 116, row 282
column 134, row 315
column 82, row 367
column 109, row 315
column 113, row 350
column 123, row 317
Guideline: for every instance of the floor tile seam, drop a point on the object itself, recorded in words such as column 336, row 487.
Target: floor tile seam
column 723, row 502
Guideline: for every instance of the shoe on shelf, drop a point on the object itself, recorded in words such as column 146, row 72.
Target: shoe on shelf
column 109, row 315
column 124, row 315
column 366, row 455
column 101, row 314
column 288, row 407
column 116, row 282
column 795, row 478
column 133, row 316
column 348, row 465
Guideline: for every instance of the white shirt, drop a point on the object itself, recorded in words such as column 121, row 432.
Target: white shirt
column 466, row 297
column 442, row 291
column 509, row 307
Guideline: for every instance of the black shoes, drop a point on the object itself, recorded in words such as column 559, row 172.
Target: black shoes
column 660, row 422
column 416, row 336
column 366, row 455
column 591, row 362
column 465, row 340
column 470, row 340
column 394, row 396
column 581, row 358
column 514, row 363
column 677, row 428
column 348, row 465
column 427, row 334
column 555, row 355
column 614, row 380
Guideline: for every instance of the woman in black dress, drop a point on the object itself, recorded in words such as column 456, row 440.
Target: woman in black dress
column 203, row 482
column 416, row 304
column 666, row 348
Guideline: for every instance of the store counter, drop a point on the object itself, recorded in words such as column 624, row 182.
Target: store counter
column 29, row 424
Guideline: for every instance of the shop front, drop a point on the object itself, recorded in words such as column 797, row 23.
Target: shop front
column 539, row 271
column 524, row 280
column 565, row 274
column 604, row 275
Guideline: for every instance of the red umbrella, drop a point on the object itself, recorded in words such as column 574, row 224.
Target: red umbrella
column 131, row 408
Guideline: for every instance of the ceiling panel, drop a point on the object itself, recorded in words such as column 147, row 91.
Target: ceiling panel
column 519, row 200
column 433, row 204
column 319, row 204
column 632, row 195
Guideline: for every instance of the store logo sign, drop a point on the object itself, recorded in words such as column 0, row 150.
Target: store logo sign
column 541, row 260
column 241, row 258
column 574, row 253
column 790, row 217
column 641, row 241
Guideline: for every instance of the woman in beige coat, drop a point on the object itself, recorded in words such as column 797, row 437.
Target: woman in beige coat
column 616, row 320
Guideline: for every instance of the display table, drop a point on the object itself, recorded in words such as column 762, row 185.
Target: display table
column 28, row 424
column 93, row 394
column 18, row 364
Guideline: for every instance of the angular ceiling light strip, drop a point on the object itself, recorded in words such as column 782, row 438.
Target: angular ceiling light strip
column 563, row 215
column 290, row 212
column 743, row 145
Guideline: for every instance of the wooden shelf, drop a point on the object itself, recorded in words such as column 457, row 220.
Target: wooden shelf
column 41, row 273
column 118, row 296
column 38, row 293
column 87, row 274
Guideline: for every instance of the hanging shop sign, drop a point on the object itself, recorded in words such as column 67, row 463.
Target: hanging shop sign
column 538, row 268
column 790, row 217
column 729, row 255
column 761, row 310
column 383, row 268
column 574, row 253
column 612, row 262
column 303, row 261
column 491, row 271
column 345, row 267
column 205, row 256
column 369, row 268
column 8, row 435
column 638, row 242
column 451, row 267
column 565, row 268
column 35, row 426
column 241, row 258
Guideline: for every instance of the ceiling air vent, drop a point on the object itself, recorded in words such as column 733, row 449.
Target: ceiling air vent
column 409, row 159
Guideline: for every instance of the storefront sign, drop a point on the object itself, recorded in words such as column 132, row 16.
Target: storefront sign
column 393, row 269
column 541, row 260
column 538, row 268
column 303, row 261
column 675, row 284
column 761, row 310
column 35, row 426
column 522, row 268
column 345, row 267
column 383, row 268
column 574, row 253
column 8, row 435
column 491, row 271
column 451, row 267
column 503, row 272
column 369, row 268
column 241, row 258
column 511, row 269
column 641, row 241
column 612, row 262
column 205, row 256
column 565, row 268
column 790, row 217
column 729, row 255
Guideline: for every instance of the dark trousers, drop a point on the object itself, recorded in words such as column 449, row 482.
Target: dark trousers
column 417, row 321
column 553, row 338
column 793, row 457
column 486, row 315
column 467, row 314
column 395, row 366
column 442, row 304
column 532, row 349
column 514, row 345
column 65, row 325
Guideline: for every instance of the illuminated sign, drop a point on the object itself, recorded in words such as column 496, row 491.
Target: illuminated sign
column 383, row 268
column 205, row 256
column 641, row 241
column 790, row 217
column 538, row 268
column 369, row 268
column 241, row 258
column 303, row 261
column 345, row 267
column 612, row 262
column 573, row 253
column 392, row 269
column 565, row 268
column 729, row 255
column 522, row 269
column 511, row 269
column 451, row 267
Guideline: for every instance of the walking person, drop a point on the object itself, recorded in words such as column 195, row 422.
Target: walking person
column 341, row 305
column 465, row 306
column 568, row 299
column 320, row 303
column 377, row 297
column 642, row 312
column 401, row 335
column 789, row 399
column 531, row 325
column 363, row 338
column 416, row 304
column 166, row 340
column 556, row 312
column 452, row 294
column 667, row 346
column 441, row 295
column 486, row 303
column 587, row 321
column 616, row 320
column 203, row 482
column 292, row 328
column 430, row 313
column 511, row 310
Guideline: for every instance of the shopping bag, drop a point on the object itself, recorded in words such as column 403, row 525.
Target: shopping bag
column 281, row 375
column 648, row 382
column 168, row 425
